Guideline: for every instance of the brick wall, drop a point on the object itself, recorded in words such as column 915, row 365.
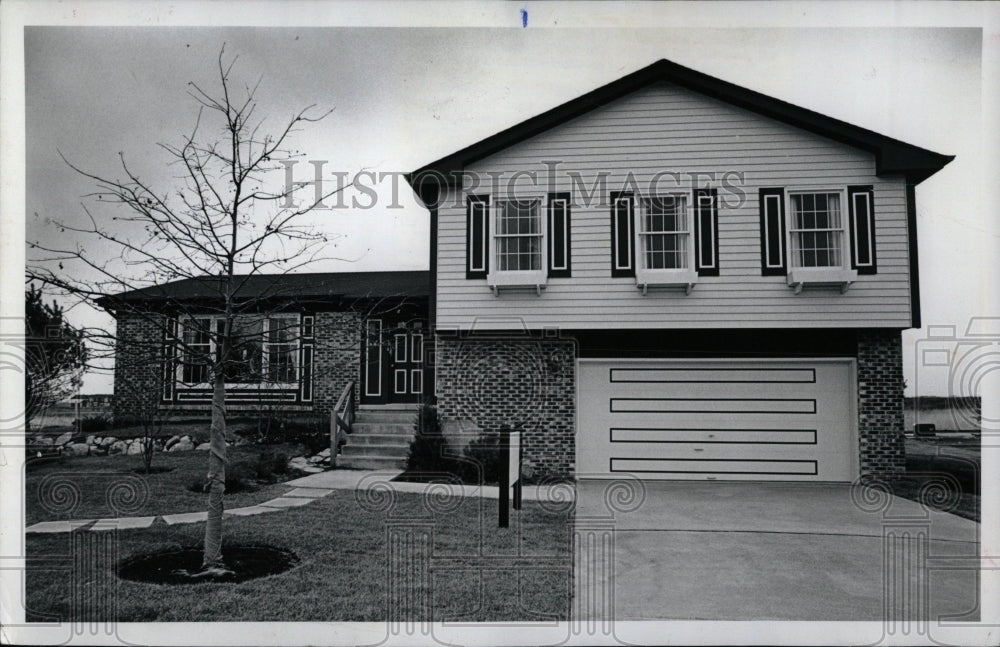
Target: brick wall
column 138, row 365
column 138, row 381
column 336, row 358
column 520, row 383
column 880, row 403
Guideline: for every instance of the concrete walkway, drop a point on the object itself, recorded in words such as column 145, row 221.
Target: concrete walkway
column 306, row 490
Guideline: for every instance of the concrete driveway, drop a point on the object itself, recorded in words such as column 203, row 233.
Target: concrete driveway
column 671, row 550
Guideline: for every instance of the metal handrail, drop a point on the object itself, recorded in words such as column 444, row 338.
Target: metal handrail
column 341, row 419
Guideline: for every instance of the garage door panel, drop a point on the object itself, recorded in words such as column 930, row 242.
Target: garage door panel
column 714, row 436
column 704, row 467
column 715, row 405
column 675, row 420
column 685, row 419
column 720, row 375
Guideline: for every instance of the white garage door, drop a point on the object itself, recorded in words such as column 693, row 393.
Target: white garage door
column 759, row 420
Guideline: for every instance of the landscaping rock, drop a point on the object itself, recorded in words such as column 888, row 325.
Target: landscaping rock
column 134, row 448
column 118, row 447
column 182, row 445
column 77, row 449
column 315, row 459
column 42, row 440
column 64, row 439
column 108, row 441
column 203, row 446
column 90, row 439
column 325, row 453
column 173, row 440
column 298, row 463
column 312, row 469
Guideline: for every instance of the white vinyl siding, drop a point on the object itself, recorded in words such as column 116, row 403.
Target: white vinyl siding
column 666, row 128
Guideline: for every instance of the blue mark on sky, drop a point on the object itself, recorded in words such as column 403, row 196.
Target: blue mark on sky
column 524, row 17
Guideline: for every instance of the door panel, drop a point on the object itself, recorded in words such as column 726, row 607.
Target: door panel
column 393, row 362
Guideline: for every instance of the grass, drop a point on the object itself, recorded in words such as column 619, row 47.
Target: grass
column 477, row 573
column 929, row 461
column 91, row 479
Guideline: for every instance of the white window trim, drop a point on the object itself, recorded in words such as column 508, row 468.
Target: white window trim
column 497, row 279
column 296, row 352
column 841, row 276
column 645, row 278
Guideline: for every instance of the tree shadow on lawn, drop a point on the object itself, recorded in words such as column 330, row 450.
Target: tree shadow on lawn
column 409, row 559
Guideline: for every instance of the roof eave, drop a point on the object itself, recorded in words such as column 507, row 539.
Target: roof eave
column 893, row 156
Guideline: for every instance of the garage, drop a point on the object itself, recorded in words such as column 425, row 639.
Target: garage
column 788, row 420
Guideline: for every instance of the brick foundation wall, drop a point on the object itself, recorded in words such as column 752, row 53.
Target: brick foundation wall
column 526, row 384
column 138, row 365
column 880, row 403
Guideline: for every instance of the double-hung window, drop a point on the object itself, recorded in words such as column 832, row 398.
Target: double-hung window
column 665, row 233
column 664, row 242
column 518, row 254
column 828, row 234
column 518, row 235
column 816, row 230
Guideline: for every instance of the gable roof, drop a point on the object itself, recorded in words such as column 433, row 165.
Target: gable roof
column 891, row 155
column 306, row 286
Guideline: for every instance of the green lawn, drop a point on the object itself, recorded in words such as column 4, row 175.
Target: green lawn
column 93, row 477
column 353, row 566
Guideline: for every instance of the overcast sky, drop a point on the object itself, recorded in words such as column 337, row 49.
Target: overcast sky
column 407, row 96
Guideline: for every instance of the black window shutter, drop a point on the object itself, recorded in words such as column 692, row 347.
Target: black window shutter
column 706, row 232
column 860, row 200
column 477, row 209
column 622, row 237
column 559, row 235
column 772, row 232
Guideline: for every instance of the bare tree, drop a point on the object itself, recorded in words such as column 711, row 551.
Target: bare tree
column 227, row 217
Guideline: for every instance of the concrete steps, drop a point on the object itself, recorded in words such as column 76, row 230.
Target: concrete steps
column 380, row 438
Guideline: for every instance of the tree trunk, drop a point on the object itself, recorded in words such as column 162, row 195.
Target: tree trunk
column 216, row 475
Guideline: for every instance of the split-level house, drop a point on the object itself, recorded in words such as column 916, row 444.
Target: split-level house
column 680, row 278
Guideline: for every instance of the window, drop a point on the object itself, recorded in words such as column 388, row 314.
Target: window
column 817, row 230
column 518, row 251
column 664, row 233
column 264, row 349
column 518, row 235
column 197, row 351
column 664, row 241
column 828, row 234
column 280, row 349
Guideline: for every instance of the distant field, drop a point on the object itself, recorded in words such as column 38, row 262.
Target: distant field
column 62, row 416
column 940, row 413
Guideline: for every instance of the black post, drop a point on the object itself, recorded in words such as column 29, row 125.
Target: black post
column 517, row 493
column 504, row 478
